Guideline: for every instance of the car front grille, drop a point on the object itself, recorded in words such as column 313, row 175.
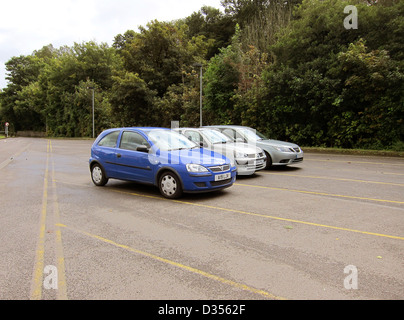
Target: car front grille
column 222, row 168
column 220, row 183
column 255, row 155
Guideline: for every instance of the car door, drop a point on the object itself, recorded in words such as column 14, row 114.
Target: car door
column 105, row 153
column 134, row 164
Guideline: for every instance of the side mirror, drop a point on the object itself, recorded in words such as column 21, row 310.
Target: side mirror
column 142, row 148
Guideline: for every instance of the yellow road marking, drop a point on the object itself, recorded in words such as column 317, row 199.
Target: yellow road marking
column 265, row 216
column 354, row 161
column 262, row 215
column 319, row 193
column 393, row 173
column 62, row 291
column 37, row 279
column 332, row 178
column 36, row 285
column 180, row 265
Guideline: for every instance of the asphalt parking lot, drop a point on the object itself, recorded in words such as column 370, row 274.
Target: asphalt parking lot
column 331, row 227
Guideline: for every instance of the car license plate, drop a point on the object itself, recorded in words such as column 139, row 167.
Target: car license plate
column 223, row 176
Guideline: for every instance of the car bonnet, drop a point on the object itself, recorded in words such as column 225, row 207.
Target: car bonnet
column 243, row 147
column 200, row 156
column 276, row 143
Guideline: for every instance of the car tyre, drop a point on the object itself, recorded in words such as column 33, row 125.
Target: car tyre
column 170, row 185
column 98, row 175
column 269, row 160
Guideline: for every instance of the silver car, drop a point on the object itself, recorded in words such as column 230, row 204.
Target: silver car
column 247, row 158
column 278, row 153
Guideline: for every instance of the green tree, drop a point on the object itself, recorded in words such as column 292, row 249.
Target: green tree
column 160, row 53
column 65, row 81
column 372, row 100
column 20, row 98
column 265, row 22
column 325, row 87
column 158, row 60
column 221, row 81
column 248, row 97
column 216, row 28
column 132, row 101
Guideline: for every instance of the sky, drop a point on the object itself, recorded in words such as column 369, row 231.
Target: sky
column 27, row 25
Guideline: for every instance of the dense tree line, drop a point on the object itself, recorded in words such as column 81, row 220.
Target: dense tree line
column 288, row 68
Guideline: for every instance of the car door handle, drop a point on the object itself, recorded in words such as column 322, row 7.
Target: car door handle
column 118, row 155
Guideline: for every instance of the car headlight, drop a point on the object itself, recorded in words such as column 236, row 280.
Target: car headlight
column 193, row 167
column 282, row 149
column 240, row 154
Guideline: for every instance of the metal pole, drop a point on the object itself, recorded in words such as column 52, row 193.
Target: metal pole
column 200, row 99
column 93, row 116
column 197, row 64
column 93, row 88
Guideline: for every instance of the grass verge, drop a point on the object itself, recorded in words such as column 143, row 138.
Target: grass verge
column 362, row 152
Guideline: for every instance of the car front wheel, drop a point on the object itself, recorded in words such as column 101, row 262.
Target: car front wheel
column 269, row 161
column 170, row 186
column 98, row 175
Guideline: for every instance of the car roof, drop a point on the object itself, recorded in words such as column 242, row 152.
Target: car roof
column 136, row 128
column 226, row 126
column 145, row 128
column 190, row 128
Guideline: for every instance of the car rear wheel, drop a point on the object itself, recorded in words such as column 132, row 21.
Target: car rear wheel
column 98, row 175
column 170, row 186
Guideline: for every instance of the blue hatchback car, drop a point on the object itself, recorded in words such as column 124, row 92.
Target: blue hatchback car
column 161, row 157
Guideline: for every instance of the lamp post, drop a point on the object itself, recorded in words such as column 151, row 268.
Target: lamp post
column 92, row 88
column 200, row 93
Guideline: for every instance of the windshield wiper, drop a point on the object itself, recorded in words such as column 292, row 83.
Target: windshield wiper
column 173, row 149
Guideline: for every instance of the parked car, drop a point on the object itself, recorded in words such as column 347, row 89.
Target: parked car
column 247, row 158
column 160, row 157
column 278, row 153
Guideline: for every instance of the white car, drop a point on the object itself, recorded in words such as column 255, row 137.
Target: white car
column 246, row 157
column 278, row 153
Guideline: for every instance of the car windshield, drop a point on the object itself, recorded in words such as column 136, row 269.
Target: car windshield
column 216, row 136
column 252, row 135
column 167, row 140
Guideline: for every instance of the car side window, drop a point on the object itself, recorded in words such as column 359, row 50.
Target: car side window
column 109, row 140
column 193, row 136
column 230, row 133
column 131, row 140
column 239, row 136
